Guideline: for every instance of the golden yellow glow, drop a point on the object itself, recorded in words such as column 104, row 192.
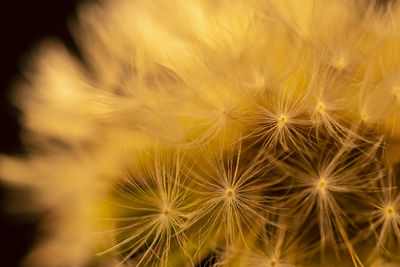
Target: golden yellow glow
column 396, row 91
column 321, row 184
column 282, row 119
column 340, row 63
column 320, row 106
column 364, row 116
column 229, row 193
column 390, row 211
column 238, row 133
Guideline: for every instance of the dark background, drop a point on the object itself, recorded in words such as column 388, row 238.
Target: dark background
column 23, row 24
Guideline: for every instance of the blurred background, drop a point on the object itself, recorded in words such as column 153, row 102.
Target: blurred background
column 23, row 24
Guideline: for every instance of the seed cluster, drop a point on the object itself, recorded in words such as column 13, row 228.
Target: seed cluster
column 216, row 133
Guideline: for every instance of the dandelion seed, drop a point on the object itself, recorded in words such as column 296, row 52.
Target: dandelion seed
column 166, row 212
column 331, row 101
column 389, row 211
column 320, row 107
column 383, row 218
column 277, row 121
column 231, row 201
column 230, row 193
column 282, row 120
column 340, row 63
column 396, row 91
column 364, row 116
column 261, row 133
column 149, row 212
column 325, row 183
column 322, row 185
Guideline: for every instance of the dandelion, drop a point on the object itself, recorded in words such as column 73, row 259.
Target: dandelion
column 232, row 195
column 384, row 220
column 227, row 133
column 278, row 119
column 332, row 97
column 148, row 212
column 327, row 184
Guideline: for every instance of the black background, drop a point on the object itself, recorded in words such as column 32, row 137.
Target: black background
column 23, row 24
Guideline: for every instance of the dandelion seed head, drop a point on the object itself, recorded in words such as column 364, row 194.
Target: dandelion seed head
column 249, row 90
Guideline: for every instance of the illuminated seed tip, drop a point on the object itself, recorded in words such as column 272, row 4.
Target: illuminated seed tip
column 389, row 211
column 364, row 116
column 282, row 119
column 166, row 211
column 396, row 91
column 229, row 192
column 260, row 81
column 320, row 106
column 340, row 63
column 321, row 185
column 272, row 263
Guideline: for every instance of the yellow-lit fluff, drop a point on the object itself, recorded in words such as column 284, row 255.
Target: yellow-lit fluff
column 215, row 133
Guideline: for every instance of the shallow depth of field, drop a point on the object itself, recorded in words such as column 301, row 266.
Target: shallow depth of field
column 214, row 133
